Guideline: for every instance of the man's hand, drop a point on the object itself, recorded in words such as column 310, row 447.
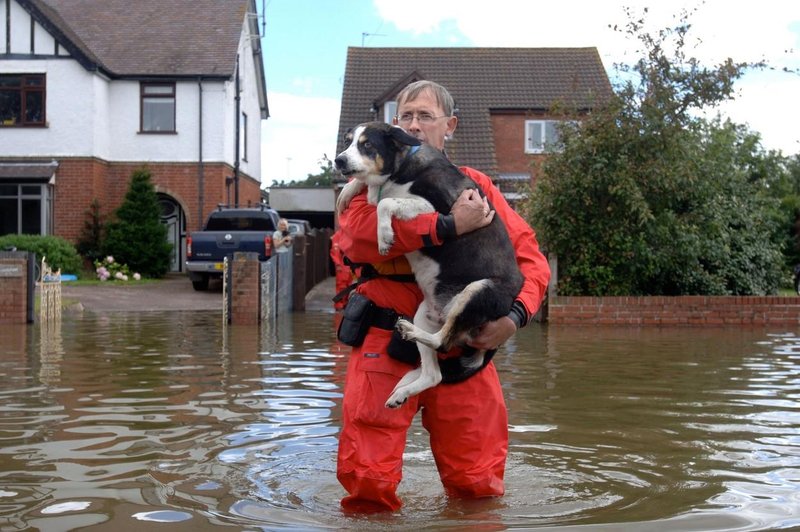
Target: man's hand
column 471, row 212
column 493, row 334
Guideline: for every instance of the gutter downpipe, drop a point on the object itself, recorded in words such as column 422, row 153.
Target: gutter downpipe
column 201, row 168
column 236, row 143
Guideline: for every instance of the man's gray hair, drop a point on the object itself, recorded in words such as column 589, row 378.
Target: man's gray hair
column 443, row 97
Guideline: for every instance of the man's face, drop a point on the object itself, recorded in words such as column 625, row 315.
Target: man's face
column 432, row 133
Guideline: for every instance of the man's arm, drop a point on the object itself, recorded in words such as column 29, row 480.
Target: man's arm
column 532, row 263
column 359, row 226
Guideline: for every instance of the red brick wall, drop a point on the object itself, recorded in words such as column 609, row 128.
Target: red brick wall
column 509, row 143
column 79, row 181
column 245, row 289
column 681, row 310
column 14, row 292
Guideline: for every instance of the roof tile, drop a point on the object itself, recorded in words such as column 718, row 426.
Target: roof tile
column 153, row 37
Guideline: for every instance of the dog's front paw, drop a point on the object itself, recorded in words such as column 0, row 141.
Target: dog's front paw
column 385, row 238
column 383, row 248
column 343, row 201
column 347, row 194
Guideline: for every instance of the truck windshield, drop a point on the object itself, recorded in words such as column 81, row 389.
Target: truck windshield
column 228, row 223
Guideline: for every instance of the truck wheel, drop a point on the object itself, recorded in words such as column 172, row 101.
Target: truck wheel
column 201, row 285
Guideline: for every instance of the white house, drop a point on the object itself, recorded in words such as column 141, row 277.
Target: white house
column 92, row 90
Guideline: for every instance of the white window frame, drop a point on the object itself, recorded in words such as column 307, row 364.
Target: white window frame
column 541, row 136
column 389, row 112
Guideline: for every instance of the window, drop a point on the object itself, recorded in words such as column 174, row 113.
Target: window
column 24, row 209
column 389, row 110
column 22, row 100
column 541, row 136
column 235, row 222
column 158, row 108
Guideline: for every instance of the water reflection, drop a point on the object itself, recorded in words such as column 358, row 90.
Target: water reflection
column 171, row 418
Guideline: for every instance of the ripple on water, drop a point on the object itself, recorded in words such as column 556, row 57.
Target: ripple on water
column 156, row 416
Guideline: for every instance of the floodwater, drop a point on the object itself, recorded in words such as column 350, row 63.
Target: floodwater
column 168, row 421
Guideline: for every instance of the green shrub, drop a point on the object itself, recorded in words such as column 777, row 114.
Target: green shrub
column 137, row 237
column 58, row 252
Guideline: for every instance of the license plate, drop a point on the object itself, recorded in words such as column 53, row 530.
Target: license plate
column 219, row 266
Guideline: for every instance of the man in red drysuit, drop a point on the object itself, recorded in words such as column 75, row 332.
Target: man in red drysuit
column 467, row 421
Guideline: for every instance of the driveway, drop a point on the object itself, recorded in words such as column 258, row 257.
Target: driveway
column 173, row 292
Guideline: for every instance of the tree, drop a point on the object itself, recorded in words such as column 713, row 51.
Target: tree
column 137, row 237
column 648, row 198
column 322, row 179
column 91, row 239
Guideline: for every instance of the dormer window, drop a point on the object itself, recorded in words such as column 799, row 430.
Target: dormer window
column 22, row 100
column 157, row 108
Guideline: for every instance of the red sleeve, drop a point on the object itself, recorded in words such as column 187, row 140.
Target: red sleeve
column 358, row 225
column 532, row 263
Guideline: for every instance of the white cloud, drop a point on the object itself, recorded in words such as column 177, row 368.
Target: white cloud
column 765, row 106
column 298, row 133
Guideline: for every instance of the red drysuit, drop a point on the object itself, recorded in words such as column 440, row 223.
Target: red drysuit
column 344, row 276
column 467, row 421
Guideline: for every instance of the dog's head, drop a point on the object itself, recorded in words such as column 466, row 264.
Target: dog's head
column 374, row 151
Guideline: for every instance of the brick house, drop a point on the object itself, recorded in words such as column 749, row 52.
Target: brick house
column 503, row 96
column 92, row 90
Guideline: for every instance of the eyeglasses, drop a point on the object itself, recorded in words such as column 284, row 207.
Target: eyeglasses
column 422, row 118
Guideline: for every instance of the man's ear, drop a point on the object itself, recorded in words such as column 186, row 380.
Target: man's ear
column 399, row 135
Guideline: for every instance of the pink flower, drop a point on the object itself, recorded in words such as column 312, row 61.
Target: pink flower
column 110, row 259
column 137, row 277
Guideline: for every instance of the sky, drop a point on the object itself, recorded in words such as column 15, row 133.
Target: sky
column 305, row 46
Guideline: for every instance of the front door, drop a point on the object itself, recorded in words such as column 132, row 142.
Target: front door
column 172, row 216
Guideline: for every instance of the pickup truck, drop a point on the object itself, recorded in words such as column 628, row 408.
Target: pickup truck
column 227, row 231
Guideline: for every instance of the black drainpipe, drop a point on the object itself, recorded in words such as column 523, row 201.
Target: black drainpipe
column 236, row 144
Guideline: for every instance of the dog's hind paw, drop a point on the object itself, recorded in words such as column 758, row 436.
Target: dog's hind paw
column 396, row 400
column 406, row 329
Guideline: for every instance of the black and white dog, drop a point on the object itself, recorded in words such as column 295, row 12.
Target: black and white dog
column 466, row 282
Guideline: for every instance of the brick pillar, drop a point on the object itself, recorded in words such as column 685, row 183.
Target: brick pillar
column 14, row 300
column 245, row 289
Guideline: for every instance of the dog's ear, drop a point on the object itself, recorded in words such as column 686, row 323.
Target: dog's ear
column 399, row 135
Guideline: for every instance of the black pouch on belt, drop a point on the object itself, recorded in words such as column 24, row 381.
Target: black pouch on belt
column 356, row 320
column 403, row 350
